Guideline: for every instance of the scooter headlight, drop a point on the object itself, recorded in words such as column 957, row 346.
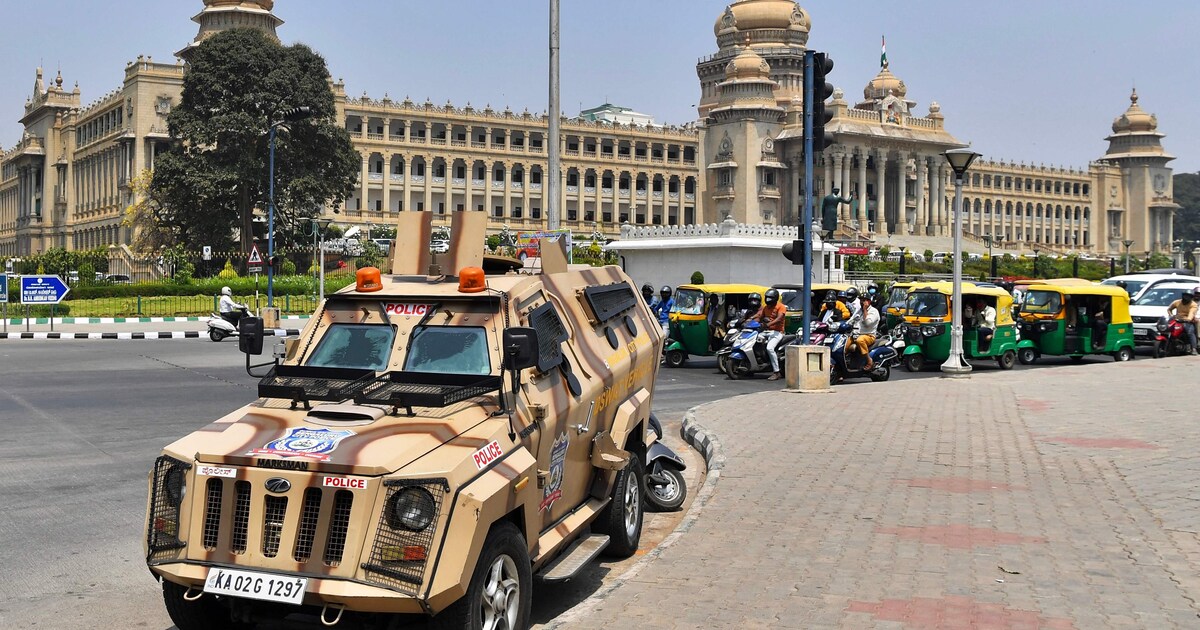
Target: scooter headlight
column 929, row 330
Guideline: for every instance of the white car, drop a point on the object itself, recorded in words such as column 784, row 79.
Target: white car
column 439, row 247
column 1152, row 305
column 1137, row 283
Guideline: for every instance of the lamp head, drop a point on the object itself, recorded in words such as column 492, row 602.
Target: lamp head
column 960, row 160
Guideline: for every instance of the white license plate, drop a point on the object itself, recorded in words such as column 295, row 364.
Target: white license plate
column 1141, row 332
column 265, row 586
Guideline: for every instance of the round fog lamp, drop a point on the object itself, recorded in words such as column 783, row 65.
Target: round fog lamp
column 411, row 509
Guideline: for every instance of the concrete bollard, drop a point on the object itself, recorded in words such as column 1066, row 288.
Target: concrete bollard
column 806, row 369
column 270, row 317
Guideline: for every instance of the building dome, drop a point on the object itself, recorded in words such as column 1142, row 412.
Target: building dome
column 265, row 5
column 746, row 15
column 747, row 65
column 883, row 85
column 1135, row 118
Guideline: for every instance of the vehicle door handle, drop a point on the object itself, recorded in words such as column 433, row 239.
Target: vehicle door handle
column 583, row 428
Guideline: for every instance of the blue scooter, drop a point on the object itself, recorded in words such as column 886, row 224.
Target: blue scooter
column 884, row 353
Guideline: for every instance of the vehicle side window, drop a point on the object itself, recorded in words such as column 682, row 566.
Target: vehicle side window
column 360, row 346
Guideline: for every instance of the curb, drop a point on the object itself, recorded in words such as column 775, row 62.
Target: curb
column 709, row 447
column 177, row 334
column 120, row 320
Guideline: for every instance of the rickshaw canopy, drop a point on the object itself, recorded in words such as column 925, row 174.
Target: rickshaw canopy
column 1004, row 301
column 1119, row 297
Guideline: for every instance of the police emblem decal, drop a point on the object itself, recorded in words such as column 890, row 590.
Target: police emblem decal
column 304, row 442
column 558, row 457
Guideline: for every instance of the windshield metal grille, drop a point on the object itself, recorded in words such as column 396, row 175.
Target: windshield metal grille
column 168, row 488
column 611, row 300
column 551, row 334
column 339, row 526
column 399, row 557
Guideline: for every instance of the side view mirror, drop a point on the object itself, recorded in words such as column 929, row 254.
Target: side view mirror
column 250, row 335
column 520, row 348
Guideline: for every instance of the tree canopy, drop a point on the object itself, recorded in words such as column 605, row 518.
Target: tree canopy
column 206, row 187
column 1187, row 217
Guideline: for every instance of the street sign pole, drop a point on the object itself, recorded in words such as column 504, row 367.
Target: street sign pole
column 4, row 298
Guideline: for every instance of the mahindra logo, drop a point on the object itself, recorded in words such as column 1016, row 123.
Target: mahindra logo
column 278, row 485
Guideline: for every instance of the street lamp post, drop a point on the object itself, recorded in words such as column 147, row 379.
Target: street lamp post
column 1127, row 243
column 960, row 160
column 318, row 234
column 287, row 115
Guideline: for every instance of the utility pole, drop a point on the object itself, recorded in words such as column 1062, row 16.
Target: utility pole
column 555, row 160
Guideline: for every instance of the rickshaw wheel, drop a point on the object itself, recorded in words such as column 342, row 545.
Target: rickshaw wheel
column 913, row 362
column 675, row 358
column 1027, row 356
column 1007, row 360
column 1124, row 354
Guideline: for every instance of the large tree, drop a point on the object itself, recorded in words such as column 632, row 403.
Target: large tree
column 1187, row 217
column 216, row 174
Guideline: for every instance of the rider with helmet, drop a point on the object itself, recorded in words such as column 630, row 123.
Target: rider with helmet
column 1186, row 310
column 663, row 309
column 230, row 311
column 771, row 315
column 648, row 294
column 850, row 299
column 833, row 308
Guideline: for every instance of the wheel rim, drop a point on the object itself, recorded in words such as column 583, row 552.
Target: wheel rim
column 501, row 597
column 666, row 492
column 633, row 501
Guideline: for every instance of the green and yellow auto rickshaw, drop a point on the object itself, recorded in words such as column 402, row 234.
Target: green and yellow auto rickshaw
column 929, row 315
column 1074, row 321
column 893, row 307
column 700, row 315
column 791, row 295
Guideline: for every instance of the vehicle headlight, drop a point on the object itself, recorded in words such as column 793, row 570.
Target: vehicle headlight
column 411, row 509
column 175, row 484
column 929, row 330
column 1047, row 326
column 1161, row 326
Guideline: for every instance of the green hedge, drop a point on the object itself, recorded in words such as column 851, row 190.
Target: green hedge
column 286, row 285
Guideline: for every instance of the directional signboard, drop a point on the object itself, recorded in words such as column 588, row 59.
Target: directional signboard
column 853, row 251
column 43, row 289
column 3, row 288
column 254, row 263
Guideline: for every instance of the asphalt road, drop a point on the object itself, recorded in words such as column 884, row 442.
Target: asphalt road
column 85, row 419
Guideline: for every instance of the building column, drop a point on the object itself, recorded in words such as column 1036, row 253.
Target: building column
column 901, row 197
column 487, row 178
column 364, row 182
column 387, row 179
column 526, row 210
column 946, row 206
column 847, row 167
column 428, row 203
column 923, row 184
column 468, row 203
column 862, row 190
column 881, row 224
column 507, row 213
column 827, row 185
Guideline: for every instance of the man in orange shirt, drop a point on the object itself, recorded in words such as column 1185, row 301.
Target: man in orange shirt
column 771, row 315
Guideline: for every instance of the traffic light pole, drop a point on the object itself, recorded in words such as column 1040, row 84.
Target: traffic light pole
column 805, row 227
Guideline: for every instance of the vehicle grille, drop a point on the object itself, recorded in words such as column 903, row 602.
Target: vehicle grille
column 1145, row 319
column 912, row 336
column 162, row 530
column 399, row 557
column 316, row 501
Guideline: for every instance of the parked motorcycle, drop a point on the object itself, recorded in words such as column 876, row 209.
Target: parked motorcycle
column 748, row 353
column 1171, row 340
column 665, row 486
column 884, row 352
column 220, row 328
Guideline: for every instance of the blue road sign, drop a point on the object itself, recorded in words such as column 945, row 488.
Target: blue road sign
column 43, row 290
column 3, row 287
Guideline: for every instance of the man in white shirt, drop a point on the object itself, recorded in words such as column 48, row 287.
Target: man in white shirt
column 865, row 331
column 230, row 310
column 985, row 323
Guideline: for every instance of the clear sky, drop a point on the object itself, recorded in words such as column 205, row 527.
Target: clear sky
column 1026, row 80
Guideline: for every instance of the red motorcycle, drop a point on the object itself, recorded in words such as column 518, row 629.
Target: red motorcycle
column 1172, row 339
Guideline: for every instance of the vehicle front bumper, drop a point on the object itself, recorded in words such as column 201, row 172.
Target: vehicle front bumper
column 1144, row 334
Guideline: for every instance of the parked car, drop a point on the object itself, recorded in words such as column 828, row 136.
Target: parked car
column 940, row 257
column 439, row 246
column 117, row 278
column 385, row 245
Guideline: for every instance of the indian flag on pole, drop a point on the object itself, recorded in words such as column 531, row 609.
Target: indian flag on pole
column 883, row 53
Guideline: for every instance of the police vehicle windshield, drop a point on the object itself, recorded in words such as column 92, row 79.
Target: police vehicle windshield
column 358, row 346
column 449, row 350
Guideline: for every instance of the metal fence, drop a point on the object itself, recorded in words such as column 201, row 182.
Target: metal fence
column 183, row 305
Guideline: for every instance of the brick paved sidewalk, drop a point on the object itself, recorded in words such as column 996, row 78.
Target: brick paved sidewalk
column 1051, row 498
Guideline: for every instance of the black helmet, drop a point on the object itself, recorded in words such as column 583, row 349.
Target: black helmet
column 772, row 297
column 665, row 291
column 647, row 289
column 852, row 294
column 830, row 296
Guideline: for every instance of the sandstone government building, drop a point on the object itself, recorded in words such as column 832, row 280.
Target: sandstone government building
column 66, row 181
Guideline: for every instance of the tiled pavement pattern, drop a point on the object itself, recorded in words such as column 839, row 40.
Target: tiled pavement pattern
column 1055, row 498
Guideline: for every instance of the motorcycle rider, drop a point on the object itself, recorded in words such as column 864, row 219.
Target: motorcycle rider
column 1184, row 310
column 865, row 331
column 771, row 315
column 229, row 310
column 850, row 299
column 648, row 295
column 831, row 306
column 663, row 309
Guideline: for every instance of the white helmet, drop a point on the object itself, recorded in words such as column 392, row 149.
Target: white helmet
column 226, row 291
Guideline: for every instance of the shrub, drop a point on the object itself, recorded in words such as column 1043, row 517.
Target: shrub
column 288, row 268
column 493, row 242
column 697, row 277
column 928, row 255
column 228, row 273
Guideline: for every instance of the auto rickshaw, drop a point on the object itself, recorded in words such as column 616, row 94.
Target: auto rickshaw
column 700, row 315
column 1020, row 287
column 929, row 313
column 790, row 296
column 1075, row 320
column 893, row 308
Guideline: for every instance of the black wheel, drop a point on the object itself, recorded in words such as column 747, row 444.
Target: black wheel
column 622, row 518
column 675, row 358
column 501, row 586
column 210, row 611
column 1159, row 352
column 1027, row 356
column 723, row 364
column 835, row 375
column 215, row 334
column 1007, row 359
column 913, row 362
column 737, row 368
column 665, row 494
column 1124, row 354
column 882, row 375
